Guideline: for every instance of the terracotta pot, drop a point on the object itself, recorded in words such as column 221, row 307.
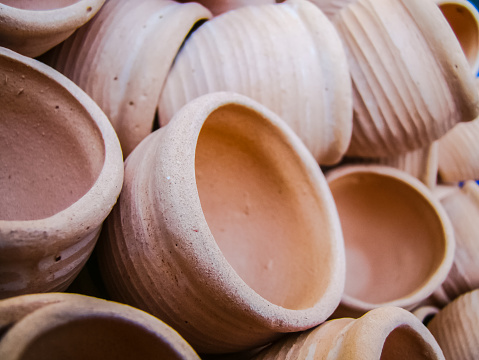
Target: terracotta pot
column 70, row 326
column 421, row 163
column 383, row 333
column 249, row 51
column 331, row 7
column 62, row 171
column 426, row 313
column 458, row 152
column 399, row 241
column 455, row 327
column 464, row 20
column 34, row 27
column 226, row 209
column 411, row 80
column 462, row 207
column 122, row 57
column 218, row 7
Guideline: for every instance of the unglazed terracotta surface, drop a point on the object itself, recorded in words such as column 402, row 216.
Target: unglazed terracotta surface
column 399, row 241
column 411, row 79
column 288, row 57
column 455, row 327
column 62, row 172
column 122, row 57
column 69, row 326
column 218, row 7
column 33, row 27
column 226, row 208
column 387, row 333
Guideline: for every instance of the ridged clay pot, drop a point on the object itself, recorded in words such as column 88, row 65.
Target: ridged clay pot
column 62, row 171
column 122, row 57
column 455, row 327
column 411, row 80
column 70, row 326
column 459, row 151
column 399, row 241
column 462, row 208
column 34, row 27
column 225, row 228
column 464, row 20
column 288, row 57
column 421, row 163
column 218, row 7
column 384, row 333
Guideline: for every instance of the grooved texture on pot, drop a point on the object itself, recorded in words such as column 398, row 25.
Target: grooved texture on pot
column 288, row 57
column 411, row 80
column 231, row 267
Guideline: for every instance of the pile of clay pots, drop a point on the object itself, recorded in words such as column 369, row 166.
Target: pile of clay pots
column 239, row 179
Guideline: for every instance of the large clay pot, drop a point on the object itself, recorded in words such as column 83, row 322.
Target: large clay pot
column 61, row 173
column 462, row 207
column 384, row 333
column 399, row 241
column 288, row 57
column 411, row 79
column 34, row 27
column 455, row 327
column 69, row 326
column 122, row 57
column 458, row 152
column 218, row 7
column 225, row 228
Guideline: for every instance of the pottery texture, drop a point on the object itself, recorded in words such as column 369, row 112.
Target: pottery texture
column 399, row 241
column 411, row 80
column 455, row 327
column 33, row 27
column 60, row 326
column 225, row 228
column 383, row 333
column 288, row 57
column 218, row 7
column 122, row 58
column 62, row 171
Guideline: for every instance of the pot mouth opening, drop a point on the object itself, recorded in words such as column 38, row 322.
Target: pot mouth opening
column 36, row 5
column 98, row 337
column 261, row 208
column 394, row 238
column 403, row 342
column 465, row 26
column 51, row 149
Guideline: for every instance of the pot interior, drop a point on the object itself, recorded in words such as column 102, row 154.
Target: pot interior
column 393, row 236
column 466, row 29
column 99, row 338
column 261, row 207
column 39, row 4
column 405, row 343
column 51, row 150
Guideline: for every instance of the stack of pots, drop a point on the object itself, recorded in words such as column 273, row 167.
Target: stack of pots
column 238, row 179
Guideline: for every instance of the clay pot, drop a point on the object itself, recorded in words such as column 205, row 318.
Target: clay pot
column 62, row 171
column 69, row 326
column 458, row 152
column 122, row 57
column 462, row 207
column 218, row 7
column 383, row 333
column 464, row 20
column 399, row 241
column 331, row 7
column 411, row 80
column 250, row 51
column 34, row 27
column 455, row 327
column 225, row 228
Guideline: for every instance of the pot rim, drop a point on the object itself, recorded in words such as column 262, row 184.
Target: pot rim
column 440, row 274
column 70, row 224
column 211, row 263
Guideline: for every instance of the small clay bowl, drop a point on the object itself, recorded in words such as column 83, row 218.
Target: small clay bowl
column 399, row 241
column 61, row 173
